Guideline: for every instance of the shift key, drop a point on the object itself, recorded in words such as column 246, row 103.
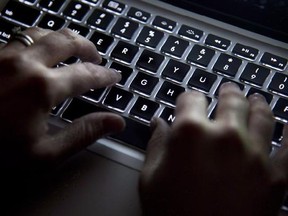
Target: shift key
column 21, row 13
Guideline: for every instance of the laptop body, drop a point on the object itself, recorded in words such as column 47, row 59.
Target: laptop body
column 102, row 180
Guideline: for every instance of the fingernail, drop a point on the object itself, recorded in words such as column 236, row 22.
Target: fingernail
column 153, row 123
column 257, row 97
column 117, row 74
column 229, row 85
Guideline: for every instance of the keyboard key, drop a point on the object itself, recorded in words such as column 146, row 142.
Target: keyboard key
column 118, row 99
column 55, row 110
column 124, row 52
column 274, row 61
column 31, row 1
column 149, row 37
column 169, row 92
column 200, row 55
column 246, row 52
column 175, row 46
column 138, row 14
column 279, row 84
column 125, row 72
column 164, row 23
column 255, row 74
column 114, row 6
column 124, row 28
column 224, row 80
column 100, row 19
column 217, row 42
column 144, row 83
column 78, row 29
column 150, row 61
column 76, row 10
column 202, row 80
column 190, row 33
column 78, row 108
column 94, row 94
column 135, row 134
column 52, row 4
column 281, row 109
column 175, row 70
column 92, row 2
column 6, row 30
column 51, row 22
column 144, row 109
column 168, row 115
column 21, row 13
column 266, row 95
column 101, row 41
column 227, row 65
column 278, row 131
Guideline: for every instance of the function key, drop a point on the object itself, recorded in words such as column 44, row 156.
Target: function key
column 76, row 10
column 21, row 13
column 51, row 22
column 78, row 29
column 149, row 37
column 274, row 61
column 52, row 4
column 144, row 109
column 164, row 23
column 138, row 14
column 114, row 6
column 124, row 28
column 190, row 33
column 217, row 42
column 92, row 2
column 279, row 84
column 200, row 55
column 255, row 74
column 100, row 19
column 101, row 41
column 175, row 46
column 281, row 109
column 246, row 52
column 6, row 30
column 227, row 65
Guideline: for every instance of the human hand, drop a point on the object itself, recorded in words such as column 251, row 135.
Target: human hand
column 30, row 86
column 220, row 168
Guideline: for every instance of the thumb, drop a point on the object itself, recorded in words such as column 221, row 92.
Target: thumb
column 81, row 133
column 156, row 146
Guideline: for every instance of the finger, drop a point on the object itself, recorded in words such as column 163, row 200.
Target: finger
column 35, row 33
column 156, row 145
column 232, row 106
column 79, row 78
column 61, row 45
column 260, row 123
column 191, row 107
column 81, row 133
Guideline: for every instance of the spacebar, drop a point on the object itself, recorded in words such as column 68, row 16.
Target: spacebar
column 135, row 133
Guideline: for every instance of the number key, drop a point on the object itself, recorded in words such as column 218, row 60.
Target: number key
column 279, row 84
column 200, row 55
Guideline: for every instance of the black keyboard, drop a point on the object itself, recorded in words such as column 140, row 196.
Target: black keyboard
column 158, row 57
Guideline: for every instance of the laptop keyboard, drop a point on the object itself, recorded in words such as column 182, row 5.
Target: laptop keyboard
column 159, row 58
